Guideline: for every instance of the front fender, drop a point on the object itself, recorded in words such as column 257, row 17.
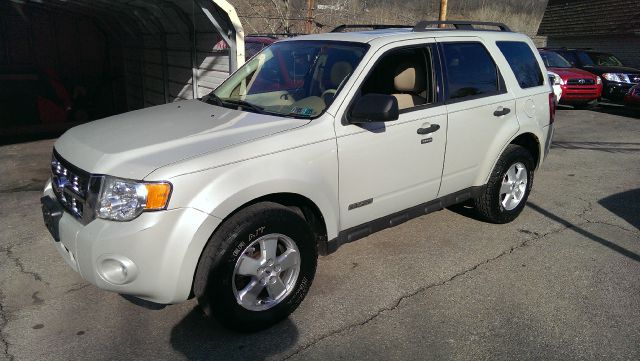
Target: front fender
column 221, row 191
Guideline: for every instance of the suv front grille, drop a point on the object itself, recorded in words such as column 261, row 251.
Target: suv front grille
column 71, row 185
column 581, row 81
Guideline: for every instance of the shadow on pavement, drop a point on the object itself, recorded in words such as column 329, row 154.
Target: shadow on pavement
column 623, row 251
column 616, row 109
column 625, row 205
column 143, row 303
column 609, row 147
column 466, row 209
column 200, row 338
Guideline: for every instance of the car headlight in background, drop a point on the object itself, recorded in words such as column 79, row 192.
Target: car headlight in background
column 617, row 77
column 555, row 79
column 598, row 80
column 124, row 199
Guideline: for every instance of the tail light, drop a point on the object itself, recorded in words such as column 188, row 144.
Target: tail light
column 552, row 107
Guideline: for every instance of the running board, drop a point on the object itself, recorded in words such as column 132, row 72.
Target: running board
column 392, row 220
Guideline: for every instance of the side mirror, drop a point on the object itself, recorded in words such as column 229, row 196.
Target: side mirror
column 374, row 108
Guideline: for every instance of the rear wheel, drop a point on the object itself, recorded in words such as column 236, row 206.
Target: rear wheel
column 506, row 193
column 257, row 268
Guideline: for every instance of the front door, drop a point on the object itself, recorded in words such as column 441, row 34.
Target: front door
column 388, row 167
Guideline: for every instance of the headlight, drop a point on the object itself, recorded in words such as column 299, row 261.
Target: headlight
column 124, row 199
column 598, row 80
column 555, row 78
column 617, row 77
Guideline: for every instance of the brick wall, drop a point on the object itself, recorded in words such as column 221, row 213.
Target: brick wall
column 625, row 47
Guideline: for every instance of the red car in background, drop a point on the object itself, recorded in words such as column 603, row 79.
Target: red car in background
column 579, row 88
column 632, row 98
column 254, row 44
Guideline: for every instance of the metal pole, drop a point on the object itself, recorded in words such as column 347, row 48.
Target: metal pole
column 443, row 12
column 309, row 25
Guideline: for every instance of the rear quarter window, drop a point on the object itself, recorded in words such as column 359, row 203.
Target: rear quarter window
column 523, row 63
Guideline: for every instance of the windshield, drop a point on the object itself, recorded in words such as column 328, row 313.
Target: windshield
column 554, row 60
column 292, row 78
column 603, row 59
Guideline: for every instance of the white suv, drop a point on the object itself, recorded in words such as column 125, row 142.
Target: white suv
column 316, row 141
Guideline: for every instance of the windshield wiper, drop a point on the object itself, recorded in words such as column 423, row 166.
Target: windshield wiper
column 245, row 104
column 213, row 98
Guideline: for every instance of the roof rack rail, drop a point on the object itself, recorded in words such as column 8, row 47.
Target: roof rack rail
column 459, row 25
column 275, row 35
column 343, row 27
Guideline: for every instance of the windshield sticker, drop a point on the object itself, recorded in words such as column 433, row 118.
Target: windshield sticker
column 302, row 111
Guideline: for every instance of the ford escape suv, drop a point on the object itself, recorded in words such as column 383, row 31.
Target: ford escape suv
column 316, row 141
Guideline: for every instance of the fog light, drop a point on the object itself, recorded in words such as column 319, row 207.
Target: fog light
column 117, row 269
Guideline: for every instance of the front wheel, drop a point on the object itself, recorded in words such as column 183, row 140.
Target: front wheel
column 506, row 193
column 257, row 268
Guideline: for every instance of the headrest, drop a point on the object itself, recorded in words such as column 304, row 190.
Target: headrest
column 339, row 71
column 409, row 78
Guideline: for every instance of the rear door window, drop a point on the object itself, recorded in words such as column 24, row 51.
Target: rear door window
column 471, row 72
column 523, row 63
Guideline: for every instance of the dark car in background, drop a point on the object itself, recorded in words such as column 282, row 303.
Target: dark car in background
column 579, row 87
column 632, row 98
column 617, row 79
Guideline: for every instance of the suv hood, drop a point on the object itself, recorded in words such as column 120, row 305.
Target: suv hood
column 611, row 69
column 134, row 144
column 566, row 73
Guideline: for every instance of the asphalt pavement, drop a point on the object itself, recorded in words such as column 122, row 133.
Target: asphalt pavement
column 561, row 282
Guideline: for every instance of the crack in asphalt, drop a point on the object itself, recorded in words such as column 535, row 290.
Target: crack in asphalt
column 426, row 288
column 77, row 288
column 16, row 260
column 586, row 210
column 587, row 221
column 3, row 322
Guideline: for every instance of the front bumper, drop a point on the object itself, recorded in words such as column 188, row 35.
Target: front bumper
column 159, row 249
column 580, row 94
column 615, row 90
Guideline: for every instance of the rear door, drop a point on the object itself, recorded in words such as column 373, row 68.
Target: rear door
column 481, row 112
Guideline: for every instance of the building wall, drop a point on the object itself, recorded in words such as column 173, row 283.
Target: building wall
column 63, row 64
column 160, row 69
column 625, row 47
column 41, row 50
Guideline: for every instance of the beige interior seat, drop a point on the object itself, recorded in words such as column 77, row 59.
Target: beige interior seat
column 339, row 71
column 409, row 82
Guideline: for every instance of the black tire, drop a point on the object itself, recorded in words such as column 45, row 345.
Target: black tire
column 213, row 283
column 488, row 204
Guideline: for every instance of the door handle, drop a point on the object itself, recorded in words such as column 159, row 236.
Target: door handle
column 501, row 111
column 430, row 129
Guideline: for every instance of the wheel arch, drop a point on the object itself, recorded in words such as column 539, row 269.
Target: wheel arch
column 300, row 204
column 531, row 143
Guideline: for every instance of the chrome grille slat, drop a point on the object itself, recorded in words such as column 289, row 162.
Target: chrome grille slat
column 580, row 81
column 70, row 185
